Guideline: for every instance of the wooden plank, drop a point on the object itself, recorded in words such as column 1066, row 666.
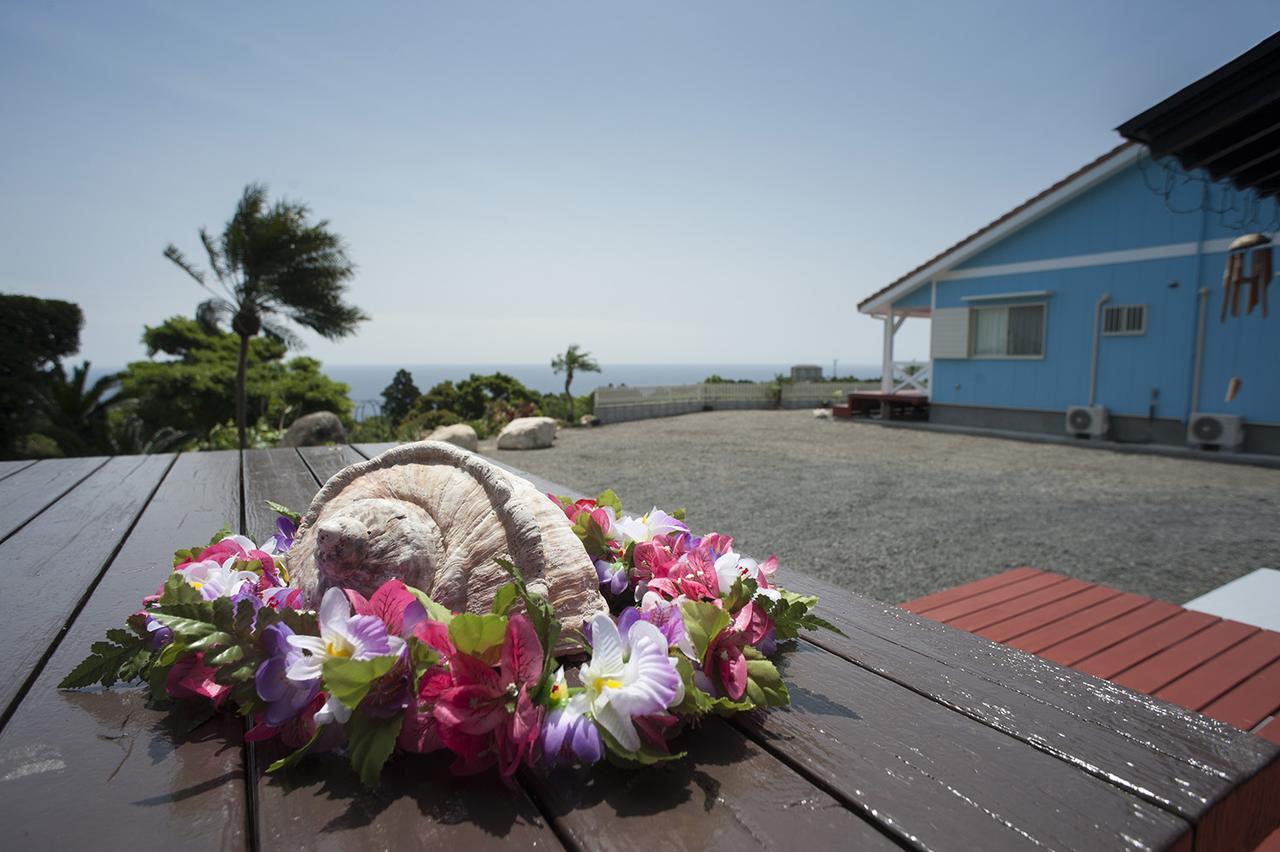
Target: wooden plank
column 1071, row 651
column 1219, row 756
column 1037, row 618
column 1177, row 660
column 968, row 590
column 279, row 475
column 1064, row 628
column 1110, row 662
column 1120, row 734
column 728, row 793
column 320, row 803
column 371, row 450
column 57, row 558
column 956, row 609
column 1105, row 747
column 906, row 759
column 1270, row 731
column 8, row 468
column 326, row 461
column 420, row 805
column 992, row 615
column 1251, row 701
column 30, row 491
column 100, row 769
column 1219, row 675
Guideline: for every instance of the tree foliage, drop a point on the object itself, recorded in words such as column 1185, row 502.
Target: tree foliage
column 34, row 334
column 399, row 396
column 271, row 266
column 75, row 414
column 573, row 360
column 193, row 388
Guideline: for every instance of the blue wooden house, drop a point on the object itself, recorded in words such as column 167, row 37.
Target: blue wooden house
column 1096, row 308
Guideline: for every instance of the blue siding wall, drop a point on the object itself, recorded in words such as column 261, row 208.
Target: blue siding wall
column 1122, row 213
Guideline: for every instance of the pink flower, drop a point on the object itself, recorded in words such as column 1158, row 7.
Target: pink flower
column 486, row 716
column 191, row 678
column 725, row 661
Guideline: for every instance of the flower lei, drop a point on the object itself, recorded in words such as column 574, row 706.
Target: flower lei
column 690, row 632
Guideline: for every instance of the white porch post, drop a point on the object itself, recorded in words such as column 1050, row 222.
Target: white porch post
column 886, row 374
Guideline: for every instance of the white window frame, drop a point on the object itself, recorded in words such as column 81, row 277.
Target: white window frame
column 973, row 331
column 1124, row 318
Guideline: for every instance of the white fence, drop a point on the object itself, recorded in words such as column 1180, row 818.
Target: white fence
column 614, row 405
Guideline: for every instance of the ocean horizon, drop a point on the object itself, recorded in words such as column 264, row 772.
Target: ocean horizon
column 367, row 381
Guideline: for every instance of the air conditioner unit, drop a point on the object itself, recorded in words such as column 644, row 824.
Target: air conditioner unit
column 1215, row 430
column 1088, row 420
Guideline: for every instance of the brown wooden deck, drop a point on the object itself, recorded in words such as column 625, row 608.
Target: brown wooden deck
column 904, row 734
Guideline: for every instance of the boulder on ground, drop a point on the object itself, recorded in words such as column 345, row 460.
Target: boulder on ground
column 314, row 430
column 527, row 433
column 822, row 413
column 459, row 434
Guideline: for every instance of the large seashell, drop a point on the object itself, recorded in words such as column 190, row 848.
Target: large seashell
column 436, row 516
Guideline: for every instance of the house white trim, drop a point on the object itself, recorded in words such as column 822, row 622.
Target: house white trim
column 1102, row 258
column 1080, row 184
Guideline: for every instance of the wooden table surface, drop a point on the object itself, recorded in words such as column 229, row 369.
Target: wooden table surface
column 905, row 734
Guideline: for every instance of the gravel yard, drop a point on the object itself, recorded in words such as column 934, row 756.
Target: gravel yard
column 898, row 513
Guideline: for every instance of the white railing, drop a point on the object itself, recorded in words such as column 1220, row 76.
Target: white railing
column 913, row 375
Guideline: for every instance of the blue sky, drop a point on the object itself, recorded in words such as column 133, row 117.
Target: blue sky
column 659, row 182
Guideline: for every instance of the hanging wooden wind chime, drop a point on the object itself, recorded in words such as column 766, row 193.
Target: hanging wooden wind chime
column 1235, row 280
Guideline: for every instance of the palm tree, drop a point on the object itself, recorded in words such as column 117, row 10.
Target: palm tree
column 272, row 264
column 76, row 415
column 570, row 362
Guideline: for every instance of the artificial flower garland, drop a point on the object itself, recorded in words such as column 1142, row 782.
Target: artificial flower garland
column 690, row 632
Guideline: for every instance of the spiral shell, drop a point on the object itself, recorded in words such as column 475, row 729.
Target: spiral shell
column 436, row 517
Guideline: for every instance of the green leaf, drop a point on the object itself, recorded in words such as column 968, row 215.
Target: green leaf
column 120, row 658
column 349, row 680
column 284, row 510
column 703, row 622
column 435, row 611
column 177, row 590
column 479, row 635
column 546, row 626
column 506, row 596
column 677, row 513
column 293, row 758
column 792, row 613
column 740, row 593
column 189, row 628
column 764, row 685
column 369, row 744
column 609, row 498
column 698, row 703
column 225, row 658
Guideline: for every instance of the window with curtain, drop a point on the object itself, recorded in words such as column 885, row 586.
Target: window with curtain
column 1012, row 331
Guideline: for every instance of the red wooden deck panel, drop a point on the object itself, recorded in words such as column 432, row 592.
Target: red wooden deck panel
column 1001, row 612
column 1036, row 618
column 1105, row 635
column 1109, row 663
column 1228, row 670
column 947, row 595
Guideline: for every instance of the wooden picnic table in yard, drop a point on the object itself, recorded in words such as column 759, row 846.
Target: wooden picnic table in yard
column 906, row 733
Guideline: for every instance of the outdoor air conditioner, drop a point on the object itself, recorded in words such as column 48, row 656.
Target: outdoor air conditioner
column 1088, row 420
column 1215, row 430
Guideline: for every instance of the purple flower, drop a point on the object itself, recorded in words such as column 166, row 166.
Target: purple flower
column 568, row 732
column 285, row 698
column 283, row 539
column 159, row 634
column 662, row 614
column 613, row 576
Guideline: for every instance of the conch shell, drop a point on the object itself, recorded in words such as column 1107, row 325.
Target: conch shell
column 436, row 516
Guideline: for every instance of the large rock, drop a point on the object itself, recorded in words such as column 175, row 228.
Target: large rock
column 459, row 434
column 314, row 430
column 527, row 433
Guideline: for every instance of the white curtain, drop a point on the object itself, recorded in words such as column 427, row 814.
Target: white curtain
column 990, row 331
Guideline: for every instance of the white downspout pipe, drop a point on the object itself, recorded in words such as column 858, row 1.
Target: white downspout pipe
column 1097, row 337
column 1199, row 360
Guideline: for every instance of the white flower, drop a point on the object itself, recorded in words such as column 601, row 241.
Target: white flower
column 217, row 581
column 645, row 527
column 619, row 687
column 342, row 635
